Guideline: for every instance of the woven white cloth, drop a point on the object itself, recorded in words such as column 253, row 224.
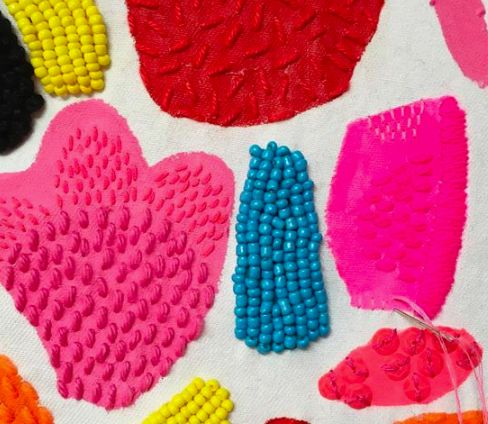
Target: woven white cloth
column 406, row 61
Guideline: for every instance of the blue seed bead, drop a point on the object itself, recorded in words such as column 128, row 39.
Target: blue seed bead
column 240, row 312
column 254, row 292
column 288, row 246
column 293, row 286
column 267, row 264
column 254, row 163
column 290, row 235
column 323, row 307
column 279, row 269
column 265, row 338
column 240, row 333
column 244, row 209
column 321, row 296
column 295, row 298
column 241, row 300
column 253, row 332
column 285, row 306
column 324, row 319
column 268, row 295
column 291, row 224
column 270, row 209
column 278, row 336
column 310, row 302
column 290, row 257
column 266, row 319
column 237, row 278
column 287, row 161
column 290, row 342
column 304, row 273
column 278, row 347
column 301, row 165
column 296, row 199
column 302, row 252
column 317, row 285
column 254, row 301
column 324, row 330
column 241, row 250
column 266, row 308
column 266, row 219
column 297, row 210
column 297, row 155
column 278, row 256
column 241, row 323
column 302, row 320
column 272, row 185
column 316, row 276
column 255, row 151
column 302, row 330
column 309, row 206
column 303, row 342
column 251, row 174
column 267, row 285
column 252, row 283
column 268, row 155
column 275, row 174
column 245, row 197
column 283, row 151
column 252, row 225
column 252, row 311
column 306, row 293
column 265, row 229
column 289, row 319
column 241, row 238
column 302, row 177
column 292, row 276
column 253, row 322
column 278, row 324
column 289, row 173
column 290, row 266
column 302, row 222
column 257, row 195
column 281, row 293
column 284, row 213
column 308, row 197
column 308, row 185
column 266, row 165
column 242, row 218
column 239, row 289
column 303, row 263
column 313, row 324
column 259, row 184
column 252, row 236
column 251, row 341
column 266, row 241
column 272, row 146
column 254, row 260
column 313, row 334
column 264, row 349
column 278, row 223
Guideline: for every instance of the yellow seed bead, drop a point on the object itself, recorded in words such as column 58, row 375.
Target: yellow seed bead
column 35, row 45
column 86, row 40
column 99, row 29
column 223, row 393
column 174, row 409
column 215, row 420
column 96, row 19
column 199, row 383
column 88, row 48
column 50, row 63
column 58, row 32
column 29, row 30
column 216, row 401
column 57, row 80
column 37, row 62
column 194, row 420
column 100, row 39
column 40, row 72
column 80, row 17
column 49, row 88
column 61, row 91
column 30, row 9
column 42, row 25
column 221, row 413
column 199, row 399
column 208, row 408
column 64, row 60
column 164, row 411
column 224, row 422
column 180, row 419
column 86, row 90
column 73, row 38
column 64, row 13
column 68, row 21
column 60, row 41
column 91, row 57
column 202, row 415
column 70, row 78
column 104, row 61
column 45, row 34
column 44, row 5
column 178, row 400
column 74, row 46
column 37, row 17
column 49, row 54
column 67, row 69
column 81, row 71
column 207, row 392
column 13, row 8
column 193, row 407
column 213, row 384
column 228, row 405
column 171, row 420
column 61, row 51
column 75, row 53
column 91, row 11
column 71, row 29
column 54, row 22
column 185, row 411
column 84, row 30
column 46, row 80
column 84, row 81
column 101, row 50
column 47, row 45
column 185, row 393
column 49, row 13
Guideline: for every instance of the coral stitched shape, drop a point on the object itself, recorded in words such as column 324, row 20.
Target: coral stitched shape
column 280, row 297
column 470, row 417
column 19, row 403
column 285, row 421
column 67, row 42
column 247, row 62
column 114, row 262
column 18, row 98
column 401, row 368
column 397, row 206
column 199, row 402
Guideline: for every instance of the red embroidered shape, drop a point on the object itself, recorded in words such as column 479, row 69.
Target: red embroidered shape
column 247, row 62
column 285, row 421
column 115, row 263
column 401, row 368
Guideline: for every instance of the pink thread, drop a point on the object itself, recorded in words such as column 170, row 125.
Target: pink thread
column 397, row 206
column 116, row 286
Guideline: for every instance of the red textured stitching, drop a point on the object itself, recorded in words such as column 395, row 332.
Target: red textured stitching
column 246, row 62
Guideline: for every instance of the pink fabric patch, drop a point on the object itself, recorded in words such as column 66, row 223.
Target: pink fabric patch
column 464, row 28
column 401, row 368
column 397, row 207
column 115, row 263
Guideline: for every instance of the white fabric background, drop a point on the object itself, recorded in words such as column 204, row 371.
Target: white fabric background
column 407, row 60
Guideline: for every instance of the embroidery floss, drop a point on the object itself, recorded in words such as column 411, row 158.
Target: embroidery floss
column 280, row 297
column 18, row 99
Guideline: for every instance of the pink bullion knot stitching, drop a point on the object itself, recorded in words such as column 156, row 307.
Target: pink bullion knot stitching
column 115, row 263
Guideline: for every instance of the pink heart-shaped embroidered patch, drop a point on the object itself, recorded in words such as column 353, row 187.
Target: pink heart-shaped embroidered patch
column 115, row 263
column 402, row 368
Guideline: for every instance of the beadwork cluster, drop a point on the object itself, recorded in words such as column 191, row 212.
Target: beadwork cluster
column 280, row 298
column 18, row 99
column 67, row 42
column 19, row 403
column 200, row 402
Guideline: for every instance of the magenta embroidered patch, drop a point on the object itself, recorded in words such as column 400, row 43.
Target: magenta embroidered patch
column 397, row 207
column 401, row 368
column 115, row 263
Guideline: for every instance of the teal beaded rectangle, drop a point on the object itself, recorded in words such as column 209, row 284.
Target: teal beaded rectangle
column 280, row 296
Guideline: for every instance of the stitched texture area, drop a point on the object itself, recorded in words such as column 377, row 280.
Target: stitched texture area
column 19, row 403
column 199, row 402
column 397, row 207
column 285, row 421
column 115, row 263
column 401, row 368
column 470, row 417
column 280, row 297
column 246, row 62
column 18, row 99
column 67, row 43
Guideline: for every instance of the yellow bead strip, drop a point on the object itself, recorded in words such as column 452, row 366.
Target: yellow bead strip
column 199, row 403
column 67, row 40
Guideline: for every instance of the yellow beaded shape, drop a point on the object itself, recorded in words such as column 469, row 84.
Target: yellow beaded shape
column 199, row 403
column 67, row 40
